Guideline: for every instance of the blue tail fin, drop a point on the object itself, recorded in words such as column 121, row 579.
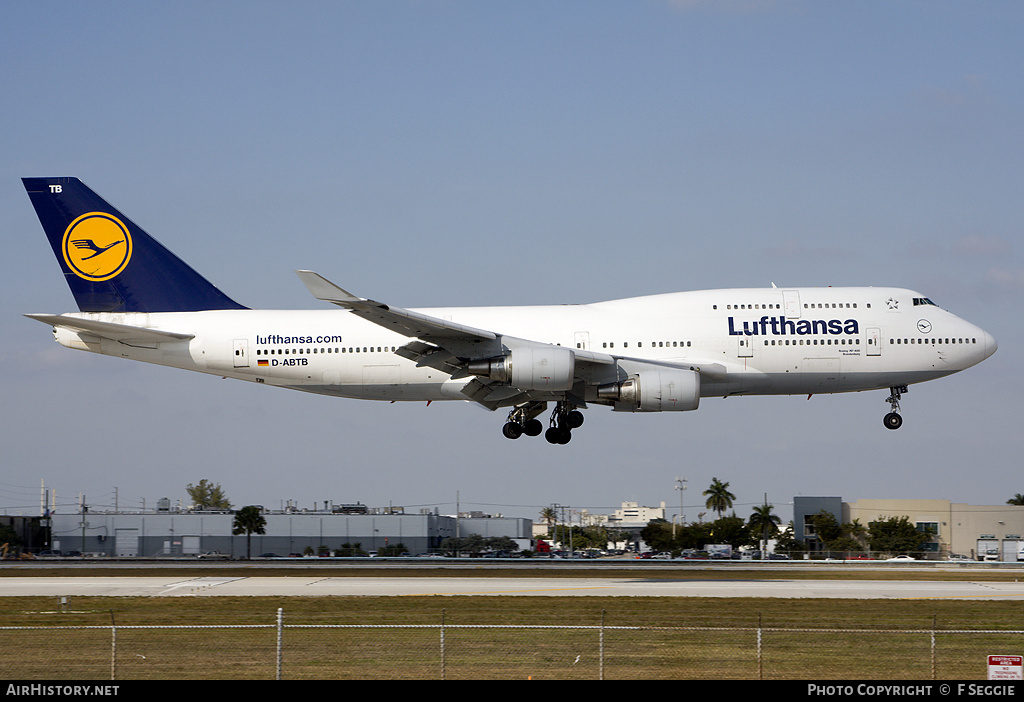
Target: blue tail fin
column 112, row 265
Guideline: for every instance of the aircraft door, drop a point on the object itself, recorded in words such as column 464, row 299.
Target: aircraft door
column 874, row 341
column 582, row 340
column 746, row 347
column 791, row 303
column 241, row 353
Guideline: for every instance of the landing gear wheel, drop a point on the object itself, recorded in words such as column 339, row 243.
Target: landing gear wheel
column 893, row 421
column 512, row 430
column 564, row 419
column 522, row 419
column 533, row 427
column 558, row 435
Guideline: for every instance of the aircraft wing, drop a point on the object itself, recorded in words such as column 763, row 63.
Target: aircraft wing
column 123, row 333
column 444, row 345
column 451, row 335
column 450, row 347
column 397, row 319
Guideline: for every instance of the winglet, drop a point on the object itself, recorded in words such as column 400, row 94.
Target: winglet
column 407, row 322
column 323, row 289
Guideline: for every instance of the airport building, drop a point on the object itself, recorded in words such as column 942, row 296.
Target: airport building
column 303, row 532
column 979, row 532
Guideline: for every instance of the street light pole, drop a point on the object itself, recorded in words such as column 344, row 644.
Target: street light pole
column 681, row 487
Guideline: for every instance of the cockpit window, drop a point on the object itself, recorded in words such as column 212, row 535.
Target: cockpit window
column 923, row 301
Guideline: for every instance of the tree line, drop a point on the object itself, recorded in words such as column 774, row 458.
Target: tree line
column 897, row 535
column 890, row 535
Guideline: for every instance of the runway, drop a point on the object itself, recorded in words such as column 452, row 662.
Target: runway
column 313, row 586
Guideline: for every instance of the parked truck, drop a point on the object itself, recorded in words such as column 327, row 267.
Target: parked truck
column 718, row 551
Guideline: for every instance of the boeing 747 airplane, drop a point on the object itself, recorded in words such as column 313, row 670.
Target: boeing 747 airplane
column 659, row 353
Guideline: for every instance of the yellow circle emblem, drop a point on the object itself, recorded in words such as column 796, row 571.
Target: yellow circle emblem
column 97, row 246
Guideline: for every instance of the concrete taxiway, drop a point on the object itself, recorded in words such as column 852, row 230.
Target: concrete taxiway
column 313, row 586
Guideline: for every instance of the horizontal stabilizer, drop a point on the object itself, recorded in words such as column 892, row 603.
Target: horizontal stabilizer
column 124, row 333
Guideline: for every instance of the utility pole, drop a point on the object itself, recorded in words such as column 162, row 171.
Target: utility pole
column 764, row 535
column 681, row 487
column 85, row 510
column 561, row 521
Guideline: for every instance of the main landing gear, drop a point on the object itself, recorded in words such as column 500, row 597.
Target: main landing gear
column 893, row 420
column 564, row 419
column 523, row 420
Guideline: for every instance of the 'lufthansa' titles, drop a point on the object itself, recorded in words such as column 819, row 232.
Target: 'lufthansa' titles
column 780, row 326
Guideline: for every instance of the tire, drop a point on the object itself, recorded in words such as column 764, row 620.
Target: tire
column 511, row 430
column 557, row 435
column 893, row 421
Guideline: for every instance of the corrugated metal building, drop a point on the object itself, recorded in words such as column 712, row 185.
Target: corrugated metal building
column 156, row 534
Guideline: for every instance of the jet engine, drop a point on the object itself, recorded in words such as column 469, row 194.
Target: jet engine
column 655, row 390
column 530, row 368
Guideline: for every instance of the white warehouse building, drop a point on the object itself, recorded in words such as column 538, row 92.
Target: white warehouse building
column 156, row 534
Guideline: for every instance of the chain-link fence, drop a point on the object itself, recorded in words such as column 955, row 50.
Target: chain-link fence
column 280, row 649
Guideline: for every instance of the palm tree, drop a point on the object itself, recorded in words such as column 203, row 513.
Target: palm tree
column 248, row 521
column 719, row 497
column 1017, row 500
column 763, row 522
column 549, row 515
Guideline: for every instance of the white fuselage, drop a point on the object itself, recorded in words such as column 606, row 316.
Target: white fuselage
column 761, row 341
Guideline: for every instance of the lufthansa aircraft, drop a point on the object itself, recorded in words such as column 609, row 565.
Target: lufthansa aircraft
column 659, row 353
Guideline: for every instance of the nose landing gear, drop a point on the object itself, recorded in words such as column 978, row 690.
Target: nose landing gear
column 893, row 420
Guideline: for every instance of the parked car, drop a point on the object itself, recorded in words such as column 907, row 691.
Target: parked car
column 214, row 556
column 900, row 559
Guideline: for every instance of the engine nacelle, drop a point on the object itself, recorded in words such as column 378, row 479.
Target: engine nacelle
column 531, row 368
column 655, row 390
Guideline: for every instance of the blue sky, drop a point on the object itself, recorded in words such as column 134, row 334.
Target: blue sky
column 452, row 153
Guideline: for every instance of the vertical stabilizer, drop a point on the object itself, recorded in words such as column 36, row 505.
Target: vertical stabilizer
column 110, row 264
